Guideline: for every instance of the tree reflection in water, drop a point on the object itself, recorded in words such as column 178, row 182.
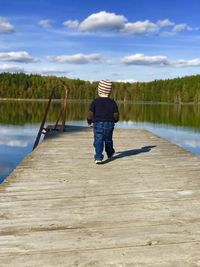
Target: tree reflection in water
column 19, row 113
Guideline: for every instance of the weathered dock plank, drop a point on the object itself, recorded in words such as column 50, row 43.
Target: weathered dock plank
column 141, row 208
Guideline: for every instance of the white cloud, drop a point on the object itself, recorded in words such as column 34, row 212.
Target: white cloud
column 167, row 34
column 10, row 68
column 15, row 132
column 110, row 22
column 183, row 27
column 6, row 26
column 191, row 143
column 187, row 63
column 13, row 143
column 19, row 56
column 18, row 137
column 127, row 81
column 102, row 21
column 49, row 72
column 140, row 27
column 141, row 59
column 76, row 58
column 35, row 70
column 71, row 23
column 165, row 23
column 180, row 27
column 45, row 23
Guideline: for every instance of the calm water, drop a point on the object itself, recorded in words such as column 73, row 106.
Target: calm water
column 19, row 123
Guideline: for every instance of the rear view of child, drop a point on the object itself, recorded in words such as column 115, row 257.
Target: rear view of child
column 103, row 113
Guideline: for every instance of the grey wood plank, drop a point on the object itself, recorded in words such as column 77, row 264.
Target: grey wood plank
column 139, row 209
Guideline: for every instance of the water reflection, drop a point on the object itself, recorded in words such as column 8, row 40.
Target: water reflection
column 15, row 143
column 19, row 123
column 20, row 113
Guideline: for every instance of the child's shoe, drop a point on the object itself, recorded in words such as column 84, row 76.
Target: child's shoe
column 98, row 161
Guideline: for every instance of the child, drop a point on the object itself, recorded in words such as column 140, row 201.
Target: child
column 103, row 113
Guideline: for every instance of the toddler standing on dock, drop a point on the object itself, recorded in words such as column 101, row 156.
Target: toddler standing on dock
column 103, row 113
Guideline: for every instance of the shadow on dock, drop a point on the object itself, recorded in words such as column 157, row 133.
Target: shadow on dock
column 128, row 153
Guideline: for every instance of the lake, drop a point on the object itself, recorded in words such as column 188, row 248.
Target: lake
column 20, row 121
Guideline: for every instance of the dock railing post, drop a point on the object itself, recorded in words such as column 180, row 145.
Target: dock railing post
column 64, row 110
column 62, row 116
column 43, row 121
column 62, row 113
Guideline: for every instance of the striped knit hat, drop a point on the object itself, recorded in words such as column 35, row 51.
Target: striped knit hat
column 104, row 88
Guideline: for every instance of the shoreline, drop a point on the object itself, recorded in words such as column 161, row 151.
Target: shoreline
column 89, row 100
column 40, row 100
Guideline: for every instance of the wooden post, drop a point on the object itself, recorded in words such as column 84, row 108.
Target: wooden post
column 64, row 110
column 59, row 116
column 43, row 121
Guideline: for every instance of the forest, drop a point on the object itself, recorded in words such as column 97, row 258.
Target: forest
column 24, row 86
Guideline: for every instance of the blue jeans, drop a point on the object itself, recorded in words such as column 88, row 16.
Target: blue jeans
column 103, row 132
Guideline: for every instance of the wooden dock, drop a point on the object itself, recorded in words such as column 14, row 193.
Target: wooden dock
column 142, row 208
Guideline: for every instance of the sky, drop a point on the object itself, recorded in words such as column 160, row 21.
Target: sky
column 129, row 40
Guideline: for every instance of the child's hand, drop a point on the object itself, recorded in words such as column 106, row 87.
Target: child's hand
column 89, row 121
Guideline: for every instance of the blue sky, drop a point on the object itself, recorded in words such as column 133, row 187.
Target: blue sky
column 108, row 39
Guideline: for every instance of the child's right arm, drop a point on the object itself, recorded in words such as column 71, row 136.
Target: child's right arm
column 89, row 117
column 90, row 113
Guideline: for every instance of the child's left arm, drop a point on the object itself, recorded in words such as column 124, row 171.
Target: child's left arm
column 116, row 112
column 116, row 116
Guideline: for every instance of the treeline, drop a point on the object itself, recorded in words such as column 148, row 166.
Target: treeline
column 20, row 85
column 179, row 90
